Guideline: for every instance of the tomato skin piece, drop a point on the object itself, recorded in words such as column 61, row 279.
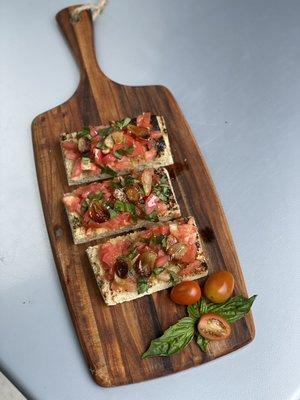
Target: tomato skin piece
column 143, row 120
column 186, row 293
column 213, row 327
column 219, row 286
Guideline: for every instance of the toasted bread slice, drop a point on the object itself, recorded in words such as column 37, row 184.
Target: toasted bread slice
column 83, row 162
column 87, row 200
column 107, row 261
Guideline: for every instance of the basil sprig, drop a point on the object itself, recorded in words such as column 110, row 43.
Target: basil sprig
column 178, row 336
column 232, row 310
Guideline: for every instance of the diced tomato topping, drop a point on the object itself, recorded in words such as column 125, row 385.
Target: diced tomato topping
column 93, row 131
column 71, row 155
column 95, row 140
column 93, row 167
column 150, row 154
column 155, row 135
column 70, row 145
column 190, row 268
column 190, row 255
column 98, row 156
column 76, row 171
column 108, row 159
column 162, row 229
column 71, row 202
column 185, row 233
column 123, row 164
column 128, row 139
column 84, row 191
column 160, row 261
column 138, row 149
column 162, row 208
column 108, row 254
column 119, row 221
column 151, row 203
column 144, row 120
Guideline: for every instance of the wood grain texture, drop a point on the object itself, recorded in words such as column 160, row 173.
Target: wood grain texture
column 113, row 338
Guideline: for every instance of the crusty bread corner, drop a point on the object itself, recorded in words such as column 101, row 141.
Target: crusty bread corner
column 79, row 233
column 113, row 297
column 163, row 160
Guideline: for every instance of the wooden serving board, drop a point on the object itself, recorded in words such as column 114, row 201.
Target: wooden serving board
column 113, row 338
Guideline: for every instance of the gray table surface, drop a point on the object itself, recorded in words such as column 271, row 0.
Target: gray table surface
column 234, row 67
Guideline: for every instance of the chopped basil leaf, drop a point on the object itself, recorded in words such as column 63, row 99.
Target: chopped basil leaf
column 162, row 191
column 152, row 217
column 84, row 206
column 159, row 239
column 122, row 206
column 174, row 278
column 96, row 196
column 132, row 254
column 142, row 285
column 121, row 124
column 116, row 185
column 119, row 153
column 104, row 131
column 157, row 270
column 129, row 150
column 100, row 145
column 84, row 133
column 112, row 213
column 85, row 160
column 109, row 171
column 128, row 180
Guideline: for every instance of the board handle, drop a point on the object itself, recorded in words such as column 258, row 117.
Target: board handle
column 79, row 34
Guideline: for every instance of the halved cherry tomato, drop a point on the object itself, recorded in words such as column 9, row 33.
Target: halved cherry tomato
column 186, row 293
column 219, row 286
column 213, row 327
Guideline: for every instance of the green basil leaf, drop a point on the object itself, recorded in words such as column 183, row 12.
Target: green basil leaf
column 128, row 180
column 202, row 343
column 157, row 270
column 121, row 123
column 104, row 131
column 112, row 213
column 159, row 239
column 119, row 153
column 152, row 217
column 174, row 339
column 84, row 206
column 174, row 278
column 193, row 310
column 142, row 285
column 233, row 309
column 115, row 185
column 100, row 145
column 107, row 170
column 129, row 150
column 84, row 133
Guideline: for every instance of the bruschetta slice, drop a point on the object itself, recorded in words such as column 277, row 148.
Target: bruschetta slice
column 143, row 262
column 101, row 152
column 121, row 204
